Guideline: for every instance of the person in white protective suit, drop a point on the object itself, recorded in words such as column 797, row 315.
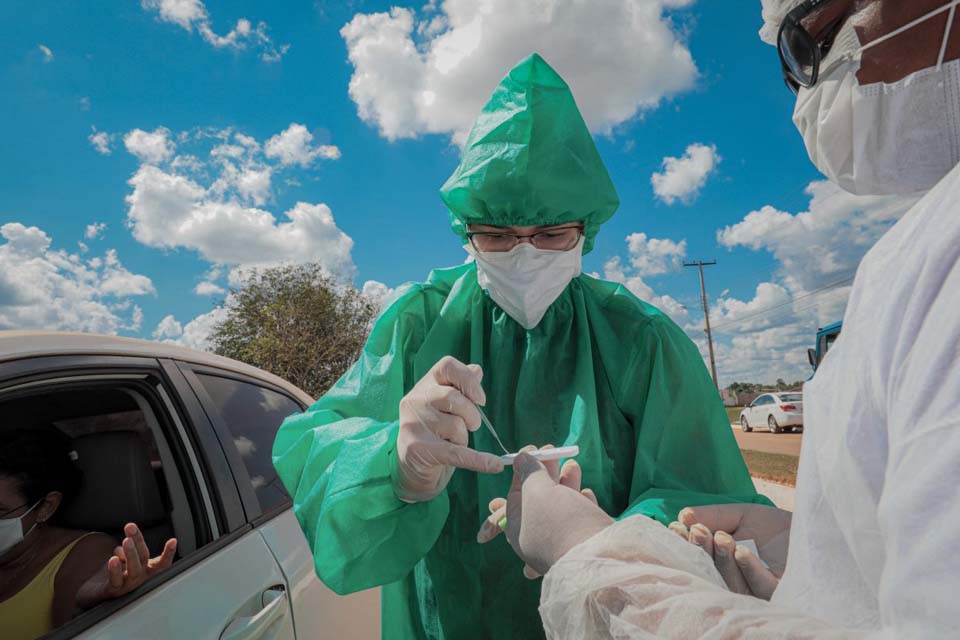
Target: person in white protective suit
column 871, row 549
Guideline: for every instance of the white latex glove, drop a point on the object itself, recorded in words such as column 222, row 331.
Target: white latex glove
column 716, row 528
column 569, row 476
column 545, row 519
column 434, row 420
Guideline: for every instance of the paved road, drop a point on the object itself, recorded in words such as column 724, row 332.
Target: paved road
column 788, row 443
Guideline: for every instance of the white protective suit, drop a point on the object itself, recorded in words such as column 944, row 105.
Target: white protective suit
column 873, row 545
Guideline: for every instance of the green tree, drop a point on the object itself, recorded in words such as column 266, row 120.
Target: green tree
column 295, row 322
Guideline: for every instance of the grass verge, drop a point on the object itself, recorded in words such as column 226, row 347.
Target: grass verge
column 775, row 467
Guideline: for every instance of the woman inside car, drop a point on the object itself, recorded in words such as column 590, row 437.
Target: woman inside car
column 49, row 574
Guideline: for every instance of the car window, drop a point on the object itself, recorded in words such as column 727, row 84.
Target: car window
column 125, row 463
column 762, row 400
column 253, row 414
column 792, row 397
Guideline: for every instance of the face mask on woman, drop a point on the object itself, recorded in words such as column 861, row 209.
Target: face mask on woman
column 880, row 138
column 11, row 530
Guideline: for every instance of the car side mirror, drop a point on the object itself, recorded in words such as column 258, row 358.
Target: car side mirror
column 812, row 357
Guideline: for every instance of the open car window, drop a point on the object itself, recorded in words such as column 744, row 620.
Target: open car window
column 128, row 444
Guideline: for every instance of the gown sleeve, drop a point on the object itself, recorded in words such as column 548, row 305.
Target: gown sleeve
column 686, row 454
column 338, row 461
column 637, row 579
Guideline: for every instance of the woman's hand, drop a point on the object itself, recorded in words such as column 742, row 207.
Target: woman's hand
column 128, row 568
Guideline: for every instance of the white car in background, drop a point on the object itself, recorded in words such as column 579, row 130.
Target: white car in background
column 778, row 412
column 179, row 441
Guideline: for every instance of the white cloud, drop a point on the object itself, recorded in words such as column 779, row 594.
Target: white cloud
column 44, row 288
column 654, row 256
column 154, row 146
column 168, row 328
column 85, row 103
column 47, row 54
column 207, row 288
column 294, row 146
column 215, row 207
column 432, row 72
column 682, row 178
column 95, row 230
column 818, row 251
column 192, row 14
column 170, row 211
column 823, row 244
column 197, row 332
column 615, row 271
column 376, row 292
column 100, row 141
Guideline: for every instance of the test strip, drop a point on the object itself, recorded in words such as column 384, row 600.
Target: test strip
column 546, row 454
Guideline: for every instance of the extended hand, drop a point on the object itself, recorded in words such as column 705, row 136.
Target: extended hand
column 128, row 568
column 569, row 476
column 545, row 519
column 716, row 528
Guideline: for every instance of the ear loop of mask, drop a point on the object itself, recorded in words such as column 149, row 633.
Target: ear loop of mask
column 946, row 33
column 951, row 7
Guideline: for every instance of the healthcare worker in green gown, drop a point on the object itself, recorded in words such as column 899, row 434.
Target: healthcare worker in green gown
column 389, row 474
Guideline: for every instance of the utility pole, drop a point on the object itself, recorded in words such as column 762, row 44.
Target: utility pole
column 700, row 264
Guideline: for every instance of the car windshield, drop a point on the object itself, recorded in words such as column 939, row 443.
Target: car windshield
column 792, row 397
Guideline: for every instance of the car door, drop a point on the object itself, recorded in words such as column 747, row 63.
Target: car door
column 230, row 586
column 247, row 412
column 757, row 409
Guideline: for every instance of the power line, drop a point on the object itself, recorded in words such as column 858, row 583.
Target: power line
column 824, row 289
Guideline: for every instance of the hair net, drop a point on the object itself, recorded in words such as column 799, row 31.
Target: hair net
column 530, row 160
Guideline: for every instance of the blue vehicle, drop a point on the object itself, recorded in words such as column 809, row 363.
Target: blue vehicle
column 826, row 336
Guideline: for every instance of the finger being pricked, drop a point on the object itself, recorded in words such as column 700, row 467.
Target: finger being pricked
column 490, row 528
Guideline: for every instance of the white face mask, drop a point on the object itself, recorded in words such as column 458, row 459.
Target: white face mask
column 882, row 138
column 11, row 530
column 525, row 281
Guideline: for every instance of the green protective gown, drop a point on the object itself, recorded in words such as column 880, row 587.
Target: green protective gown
column 602, row 370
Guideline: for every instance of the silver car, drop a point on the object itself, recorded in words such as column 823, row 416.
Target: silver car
column 179, row 442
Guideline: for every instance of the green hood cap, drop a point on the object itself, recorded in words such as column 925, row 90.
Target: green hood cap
column 530, row 160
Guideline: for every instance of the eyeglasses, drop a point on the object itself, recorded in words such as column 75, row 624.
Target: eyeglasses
column 800, row 53
column 556, row 239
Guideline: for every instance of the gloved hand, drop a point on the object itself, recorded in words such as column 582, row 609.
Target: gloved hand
column 716, row 528
column 545, row 519
column 569, row 476
column 434, row 420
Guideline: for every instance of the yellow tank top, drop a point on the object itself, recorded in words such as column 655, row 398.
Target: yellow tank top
column 28, row 614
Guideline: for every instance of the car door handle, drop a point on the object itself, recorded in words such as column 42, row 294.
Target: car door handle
column 249, row 627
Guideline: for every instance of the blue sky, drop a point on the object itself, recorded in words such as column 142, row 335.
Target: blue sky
column 164, row 87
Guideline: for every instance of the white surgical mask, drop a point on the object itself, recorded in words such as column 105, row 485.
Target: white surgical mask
column 879, row 138
column 11, row 530
column 525, row 281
